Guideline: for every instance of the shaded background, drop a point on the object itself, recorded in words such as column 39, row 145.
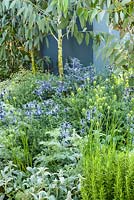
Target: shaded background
column 84, row 53
column 70, row 49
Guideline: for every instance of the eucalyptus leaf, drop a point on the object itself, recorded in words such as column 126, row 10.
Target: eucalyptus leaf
column 52, row 197
column 13, row 4
column 125, row 2
column 6, row 3
column 108, row 3
column 116, row 17
column 122, row 15
column 101, row 15
column 93, row 14
column 87, row 38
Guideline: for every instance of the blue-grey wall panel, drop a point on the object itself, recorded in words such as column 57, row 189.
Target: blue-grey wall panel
column 99, row 63
column 70, row 49
column 83, row 52
column 50, row 51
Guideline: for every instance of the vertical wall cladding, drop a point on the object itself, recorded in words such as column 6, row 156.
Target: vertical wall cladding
column 70, row 49
column 98, row 61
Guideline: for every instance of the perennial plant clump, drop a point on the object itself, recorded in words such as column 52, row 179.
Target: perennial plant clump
column 108, row 172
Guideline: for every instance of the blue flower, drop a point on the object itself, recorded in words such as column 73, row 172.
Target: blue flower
column 83, row 122
column 66, row 125
column 44, row 88
column 2, row 111
column 65, row 133
column 2, row 115
column 82, row 131
column 88, row 115
column 2, row 94
column 38, row 112
column 94, row 110
column 66, row 110
column 28, row 113
column 76, row 72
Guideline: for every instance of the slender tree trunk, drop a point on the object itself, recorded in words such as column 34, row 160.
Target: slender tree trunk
column 33, row 62
column 60, row 56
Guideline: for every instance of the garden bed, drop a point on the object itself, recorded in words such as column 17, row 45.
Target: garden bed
column 47, row 126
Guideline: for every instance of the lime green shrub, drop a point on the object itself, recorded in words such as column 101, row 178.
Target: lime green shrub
column 108, row 173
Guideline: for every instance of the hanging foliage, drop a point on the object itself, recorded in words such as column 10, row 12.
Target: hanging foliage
column 25, row 23
column 22, row 30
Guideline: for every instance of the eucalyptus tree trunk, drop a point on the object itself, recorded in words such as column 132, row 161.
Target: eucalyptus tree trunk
column 33, row 62
column 60, row 39
column 60, row 50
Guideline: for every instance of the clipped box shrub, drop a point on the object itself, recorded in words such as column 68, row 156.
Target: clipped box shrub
column 108, row 173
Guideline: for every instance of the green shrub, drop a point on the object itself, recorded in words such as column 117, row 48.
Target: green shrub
column 20, row 87
column 108, row 173
column 54, row 174
column 104, row 106
column 38, row 183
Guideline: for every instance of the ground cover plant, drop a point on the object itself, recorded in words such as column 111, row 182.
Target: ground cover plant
column 55, row 133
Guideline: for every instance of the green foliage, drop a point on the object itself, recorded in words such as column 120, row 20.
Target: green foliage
column 101, row 107
column 38, row 184
column 108, row 173
column 45, row 122
column 44, row 125
column 119, row 15
column 60, row 152
column 8, row 46
column 20, row 35
column 25, row 24
column 20, row 87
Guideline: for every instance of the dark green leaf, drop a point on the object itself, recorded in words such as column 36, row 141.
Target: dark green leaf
column 79, row 38
column 79, row 12
column 63, row 24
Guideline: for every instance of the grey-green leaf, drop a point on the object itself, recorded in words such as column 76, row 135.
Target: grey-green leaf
column 101, row 15
column 108, row 3
column 122, row 15
column 6, row 3
column 116, row 17
column 125, row 2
